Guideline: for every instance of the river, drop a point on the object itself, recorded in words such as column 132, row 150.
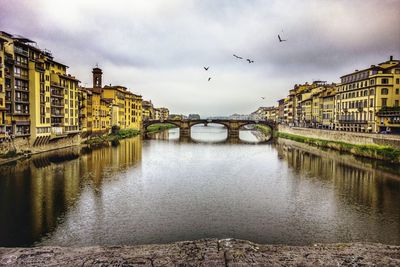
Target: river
column 164, row 189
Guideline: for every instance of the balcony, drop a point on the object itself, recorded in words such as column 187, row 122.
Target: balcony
column 40, row 66
column 21, row 113
column 57, row 115
column 57, row 104
column 9, row 60
column 21, row 88
column 22, row 100
column 7, row 73
column 54, row 84
column 21, row 76
column 21, row 64
column 21, row 51
column 389, row 112
column 353, row 121
column 56, row 93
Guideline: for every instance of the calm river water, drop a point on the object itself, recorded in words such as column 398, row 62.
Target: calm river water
column 165, row 189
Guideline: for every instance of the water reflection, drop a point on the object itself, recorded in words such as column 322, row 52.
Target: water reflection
column 152, row 191
column 35, row 193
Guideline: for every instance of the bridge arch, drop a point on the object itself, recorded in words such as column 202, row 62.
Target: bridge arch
column 146, row 124
column 205, row 122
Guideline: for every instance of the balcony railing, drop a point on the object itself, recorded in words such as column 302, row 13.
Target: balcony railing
column 21, row 51
column 26, row 112
column 21, row 76
column 353, row 121
column 57, row 105
column 20, row 88
column 22, row 100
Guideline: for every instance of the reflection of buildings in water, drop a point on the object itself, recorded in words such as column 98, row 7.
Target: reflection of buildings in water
column 42, row 188
column 163, row 135
column 355, row 180
column 114, row 158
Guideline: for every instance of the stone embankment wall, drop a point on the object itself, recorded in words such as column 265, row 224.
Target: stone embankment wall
column 23, row 145
column 346, row 137
column 207, row 252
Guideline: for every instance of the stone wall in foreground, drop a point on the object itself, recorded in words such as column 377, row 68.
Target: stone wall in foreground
column 207, row 252
column 342, row 136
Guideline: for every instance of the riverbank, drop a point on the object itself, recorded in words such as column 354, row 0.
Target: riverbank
column 111, row 138
column 206, row 252
column 155, row 128
column 374, row 151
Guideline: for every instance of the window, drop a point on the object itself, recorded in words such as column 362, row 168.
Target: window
column 371, row 92
column 371, row 103
column 397, row 91
column 384, row 102
column 385, row 81
column 372, row 82
column 396, row 103
column 384, row 91
column 397, row 81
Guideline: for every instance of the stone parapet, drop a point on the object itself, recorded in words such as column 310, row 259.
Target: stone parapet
column 206, row 252
column 342, row 136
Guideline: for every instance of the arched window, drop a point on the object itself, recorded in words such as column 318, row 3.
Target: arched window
column 371, row 92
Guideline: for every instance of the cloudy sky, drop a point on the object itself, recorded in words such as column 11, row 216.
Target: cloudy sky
column 158, row 48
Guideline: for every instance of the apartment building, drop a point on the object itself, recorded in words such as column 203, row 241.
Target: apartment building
column 368, row 99
column 40, row 98
column 111, row 106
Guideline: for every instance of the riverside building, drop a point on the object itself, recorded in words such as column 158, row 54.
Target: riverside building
column 41, row 99
column 368, row 99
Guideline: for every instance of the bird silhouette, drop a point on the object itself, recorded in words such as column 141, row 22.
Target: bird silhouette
column 250, row 61
column 237, row 56
column 209, row 78
column 206, row 68
column 263, row 97
column 280, row 39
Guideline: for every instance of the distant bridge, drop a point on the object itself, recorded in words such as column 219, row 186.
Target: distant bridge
column 233, row 126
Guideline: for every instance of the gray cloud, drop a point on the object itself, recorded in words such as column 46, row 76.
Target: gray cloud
column 158, row 48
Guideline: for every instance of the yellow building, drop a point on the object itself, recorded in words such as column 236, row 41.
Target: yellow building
column 64, row 101
column 113, row 106
column 83, row 96
column 40, row 97
column 16, row 82
column 327, row 99
column 2, row 92
column 164, row 113
column 148, row 111
column 368, row 99
column 133, row 106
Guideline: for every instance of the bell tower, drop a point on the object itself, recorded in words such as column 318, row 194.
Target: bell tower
column 97, row 75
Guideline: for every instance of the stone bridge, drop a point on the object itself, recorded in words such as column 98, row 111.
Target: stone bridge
column 233, row 126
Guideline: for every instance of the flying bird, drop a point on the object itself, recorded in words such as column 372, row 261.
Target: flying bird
column 281, row 40
column 206, row 68
column 237, row 56
column 263, row 97
column 209, row 78
column 250, row 61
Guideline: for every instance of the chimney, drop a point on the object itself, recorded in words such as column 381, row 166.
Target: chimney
column 97, row 75
column 391, row 58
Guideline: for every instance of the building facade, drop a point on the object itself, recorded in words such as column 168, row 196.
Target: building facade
column 40, row 98
column 368, row 99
